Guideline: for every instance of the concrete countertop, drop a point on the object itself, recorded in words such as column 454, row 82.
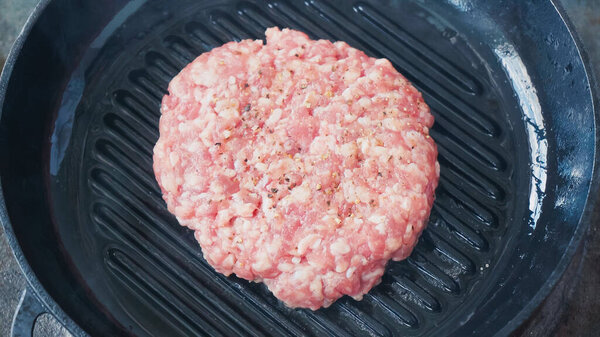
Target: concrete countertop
column 572, row 309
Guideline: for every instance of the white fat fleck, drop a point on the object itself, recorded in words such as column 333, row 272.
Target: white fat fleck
column 350, row 272
column 274, row 246
column 229, row 173
column 263, row 182
column 371, row 275
column 374, row 76
column 376, row 218
column 392, row 243
column 193, row 146
column 229, row 114
column 347, row 94
column 356, row 259
column 405, row 204
column 185, row 127
column 363, row 143
column 382, row 62
column 380, row 223
column 364, row 121
column 203, row 75
column 300, row 274
column 192, row 179
column 173, row 158
column 350, row 76
column 300, row 194
column 362, row 193
column 348, row 149
column 285, row 267
column 322, row 144
column 274, row 117
column 262, row 262
column 216, row 187
column 348, row 118
column 238, row 165
column 245, row 209
column 392, row 124
column 262, row 167
column 316, row 287
column 341, row 266
column 339, row 247
column 229, row 261
column 364, row 102
column 358, row 297
column 408, row 232
column 306, row 242
column 316, row 59
column 168, row 182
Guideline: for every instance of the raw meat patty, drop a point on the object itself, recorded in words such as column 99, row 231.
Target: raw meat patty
column 302, row 164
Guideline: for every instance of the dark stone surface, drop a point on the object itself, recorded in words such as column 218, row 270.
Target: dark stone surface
column 572, row 309
column 13, row 14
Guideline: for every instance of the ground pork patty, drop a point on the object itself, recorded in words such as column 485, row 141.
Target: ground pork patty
column 303, row 164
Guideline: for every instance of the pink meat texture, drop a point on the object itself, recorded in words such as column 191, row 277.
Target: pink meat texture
column 303, row 164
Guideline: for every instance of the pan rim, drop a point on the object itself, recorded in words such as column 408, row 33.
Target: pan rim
column 592, row 197
column 52, row 307
column 33, row 283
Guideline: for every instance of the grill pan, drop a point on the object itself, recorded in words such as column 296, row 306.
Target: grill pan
column 80, row 94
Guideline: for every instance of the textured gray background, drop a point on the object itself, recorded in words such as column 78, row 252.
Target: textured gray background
column 572, row 309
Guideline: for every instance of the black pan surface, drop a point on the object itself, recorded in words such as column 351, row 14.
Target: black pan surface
column 515, row 128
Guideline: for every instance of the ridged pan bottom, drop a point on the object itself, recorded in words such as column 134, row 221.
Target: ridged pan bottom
column 147, row 272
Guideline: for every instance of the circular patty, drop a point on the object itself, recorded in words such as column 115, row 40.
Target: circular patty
column 303, row 164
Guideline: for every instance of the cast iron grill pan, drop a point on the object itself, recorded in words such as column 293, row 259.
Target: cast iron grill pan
column 148, row 258
column 145, row 274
